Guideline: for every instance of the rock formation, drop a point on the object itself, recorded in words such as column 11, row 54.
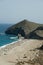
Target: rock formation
column 27, row 29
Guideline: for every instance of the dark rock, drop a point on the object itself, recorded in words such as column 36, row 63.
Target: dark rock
column 41, row 48
column 36, row 34
column 27, row 29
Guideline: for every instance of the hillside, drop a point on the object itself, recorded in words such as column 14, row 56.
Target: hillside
column 24, row 52
column 27, row 29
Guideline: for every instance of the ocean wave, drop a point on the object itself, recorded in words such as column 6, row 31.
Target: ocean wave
column 13, row 37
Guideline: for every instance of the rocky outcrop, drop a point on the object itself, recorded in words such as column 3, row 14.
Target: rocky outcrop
column 36, row 34
column 27, row 29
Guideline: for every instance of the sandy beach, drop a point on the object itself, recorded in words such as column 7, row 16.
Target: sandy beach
column 20, row 53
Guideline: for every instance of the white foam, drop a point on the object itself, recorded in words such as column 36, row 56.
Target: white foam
column 13, row 37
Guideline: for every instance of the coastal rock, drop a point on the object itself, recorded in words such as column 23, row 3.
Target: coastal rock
column 27, row 29
column 36, row 34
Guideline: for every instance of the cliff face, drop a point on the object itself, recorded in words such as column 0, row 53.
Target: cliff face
column 27, row 29
column 36, row 34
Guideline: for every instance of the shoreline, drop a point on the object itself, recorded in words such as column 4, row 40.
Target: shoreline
column 4, row 50
column 10, row 43
column 14, row 42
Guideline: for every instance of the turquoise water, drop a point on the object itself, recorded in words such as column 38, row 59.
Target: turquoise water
column 6, row 39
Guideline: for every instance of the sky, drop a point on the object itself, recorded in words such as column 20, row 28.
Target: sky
column 13, row 11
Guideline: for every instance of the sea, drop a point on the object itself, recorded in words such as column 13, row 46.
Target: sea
column 6, row 38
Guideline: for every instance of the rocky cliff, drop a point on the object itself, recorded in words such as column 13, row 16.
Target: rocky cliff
column 27, row 29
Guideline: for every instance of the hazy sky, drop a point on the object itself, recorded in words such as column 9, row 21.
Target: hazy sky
column 12, row 11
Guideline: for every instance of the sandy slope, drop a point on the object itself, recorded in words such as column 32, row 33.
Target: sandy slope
column 3, row 61
column 21, row 54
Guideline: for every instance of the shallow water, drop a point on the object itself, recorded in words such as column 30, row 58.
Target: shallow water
column 6, row 39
